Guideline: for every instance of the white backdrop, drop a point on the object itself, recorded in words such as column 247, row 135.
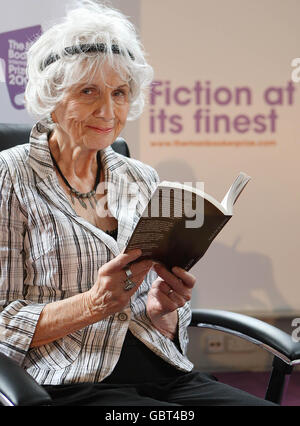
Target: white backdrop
column 225, row 46
column 218, row 46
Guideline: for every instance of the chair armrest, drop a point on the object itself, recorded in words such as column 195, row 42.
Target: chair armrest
column 17, row 387
column 259, row 332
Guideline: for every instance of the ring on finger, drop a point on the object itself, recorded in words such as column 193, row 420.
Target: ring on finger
column 129, row 284
column 128, row 272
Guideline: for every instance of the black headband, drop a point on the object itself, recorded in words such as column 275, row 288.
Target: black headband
column 84, row 48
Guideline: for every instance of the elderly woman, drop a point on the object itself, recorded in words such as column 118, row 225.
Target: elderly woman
column 84, row 324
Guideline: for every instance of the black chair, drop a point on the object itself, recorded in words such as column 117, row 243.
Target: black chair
column 17, row 387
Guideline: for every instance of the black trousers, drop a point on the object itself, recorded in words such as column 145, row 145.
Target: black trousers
column 143, row 379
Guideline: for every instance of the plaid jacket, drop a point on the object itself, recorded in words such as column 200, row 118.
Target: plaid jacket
column 48, row 253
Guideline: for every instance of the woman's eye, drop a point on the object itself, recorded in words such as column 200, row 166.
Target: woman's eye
column 120, row 95
column 88, row 91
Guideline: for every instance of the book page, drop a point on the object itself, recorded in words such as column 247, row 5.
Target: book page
column 234, row 192
column 178, row 202
column 197, row 190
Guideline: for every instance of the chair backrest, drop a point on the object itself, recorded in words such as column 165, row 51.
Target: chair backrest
column 17, row 134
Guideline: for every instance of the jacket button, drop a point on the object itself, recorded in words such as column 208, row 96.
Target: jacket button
column 122, row 316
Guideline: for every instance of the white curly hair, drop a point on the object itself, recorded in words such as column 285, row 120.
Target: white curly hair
column 61, row 57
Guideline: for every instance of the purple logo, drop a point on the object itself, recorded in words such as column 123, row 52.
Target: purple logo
column 13, row 60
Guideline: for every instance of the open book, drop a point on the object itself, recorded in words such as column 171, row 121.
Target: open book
column 180, row 222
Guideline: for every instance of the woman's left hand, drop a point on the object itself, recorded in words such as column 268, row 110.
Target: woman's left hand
column 168, row 292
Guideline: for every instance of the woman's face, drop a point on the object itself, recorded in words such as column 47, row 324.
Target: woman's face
column 92, row 114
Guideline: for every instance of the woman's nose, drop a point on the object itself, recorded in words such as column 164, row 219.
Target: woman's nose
column 105, row 109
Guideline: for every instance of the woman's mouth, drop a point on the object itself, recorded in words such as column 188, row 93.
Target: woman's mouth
column 102, row 130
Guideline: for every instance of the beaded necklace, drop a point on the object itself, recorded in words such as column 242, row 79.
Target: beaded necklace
column 81, row 195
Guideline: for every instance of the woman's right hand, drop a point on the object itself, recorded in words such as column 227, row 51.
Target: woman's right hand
column 107, row 296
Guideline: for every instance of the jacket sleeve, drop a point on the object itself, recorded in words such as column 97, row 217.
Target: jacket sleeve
column 18, row 317
column 184, row 319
